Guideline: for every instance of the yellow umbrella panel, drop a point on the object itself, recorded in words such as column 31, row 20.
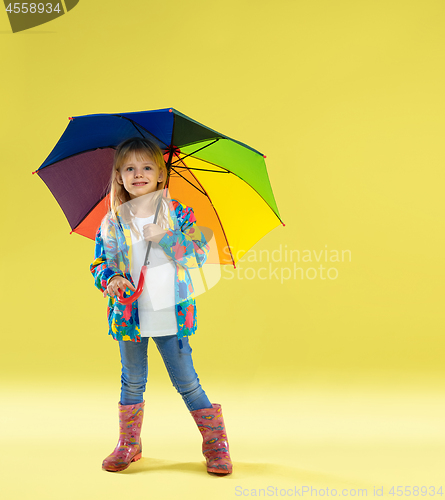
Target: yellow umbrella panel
column 228, row 205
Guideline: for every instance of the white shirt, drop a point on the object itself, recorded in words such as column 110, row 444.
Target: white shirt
column 156, row 304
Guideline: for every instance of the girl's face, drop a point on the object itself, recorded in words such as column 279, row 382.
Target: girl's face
column 139, row 177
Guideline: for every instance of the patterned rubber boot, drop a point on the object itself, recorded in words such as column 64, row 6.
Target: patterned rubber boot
column 129, row 446
column 215, row 446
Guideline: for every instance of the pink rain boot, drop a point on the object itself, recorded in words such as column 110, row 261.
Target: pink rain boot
column 215, row 447
column 129, row 446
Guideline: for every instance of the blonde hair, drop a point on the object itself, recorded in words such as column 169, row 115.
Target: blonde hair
column 120, row 201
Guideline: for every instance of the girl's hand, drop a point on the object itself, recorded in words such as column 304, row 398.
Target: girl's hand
column 118, row 283
column 153, row 232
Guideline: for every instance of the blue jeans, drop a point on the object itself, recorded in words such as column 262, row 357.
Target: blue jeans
column 179, row 365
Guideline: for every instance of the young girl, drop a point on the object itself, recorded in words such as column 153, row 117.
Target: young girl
column 166, row 309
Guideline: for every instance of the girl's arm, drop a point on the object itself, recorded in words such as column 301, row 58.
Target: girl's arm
column 104, row 266
column 187, row 246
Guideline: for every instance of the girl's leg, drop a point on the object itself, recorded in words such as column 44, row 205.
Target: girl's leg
column 131, row 407
column 134, row 370
column 180, row 368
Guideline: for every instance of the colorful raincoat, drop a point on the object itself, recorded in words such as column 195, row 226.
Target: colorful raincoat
column 184, row 242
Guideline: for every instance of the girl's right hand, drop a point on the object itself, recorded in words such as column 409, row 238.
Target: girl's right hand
column 118, row 283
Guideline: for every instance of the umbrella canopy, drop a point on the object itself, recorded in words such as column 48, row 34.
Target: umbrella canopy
column 223, row 180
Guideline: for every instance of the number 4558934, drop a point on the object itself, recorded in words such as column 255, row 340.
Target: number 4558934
column 415, row 491
column 34, row 8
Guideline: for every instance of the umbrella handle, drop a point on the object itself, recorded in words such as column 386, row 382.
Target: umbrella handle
column 137, row 293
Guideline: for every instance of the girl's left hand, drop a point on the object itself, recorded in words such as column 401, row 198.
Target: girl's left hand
column 153, row 232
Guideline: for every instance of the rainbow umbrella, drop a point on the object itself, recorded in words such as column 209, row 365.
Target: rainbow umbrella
column 223, row 180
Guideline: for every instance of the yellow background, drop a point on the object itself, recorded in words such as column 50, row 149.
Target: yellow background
column 322, row 382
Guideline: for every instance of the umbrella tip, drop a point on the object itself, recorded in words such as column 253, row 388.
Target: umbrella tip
column 264, row 156
column 170, row 110
column 70, row 118
column 34, row 172
column 283, row 223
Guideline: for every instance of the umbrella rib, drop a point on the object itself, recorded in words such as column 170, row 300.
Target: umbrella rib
column 200, row 149
column 226, row 137
column 211, row 163
column 134, row 125
column 137, row 128
column 223, row 170
column 206, row 170
column 188, row 181
column 216, row 212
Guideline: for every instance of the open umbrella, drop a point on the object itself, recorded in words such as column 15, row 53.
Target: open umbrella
column 224, row 180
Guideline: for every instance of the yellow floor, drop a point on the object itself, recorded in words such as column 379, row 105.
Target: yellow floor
column 347, row 437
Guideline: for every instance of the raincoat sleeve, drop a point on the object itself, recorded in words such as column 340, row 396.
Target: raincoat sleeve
column 105, row 264
column 187, row 245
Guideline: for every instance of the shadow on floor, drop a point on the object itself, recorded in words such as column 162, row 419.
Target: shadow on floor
column 240, row 470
